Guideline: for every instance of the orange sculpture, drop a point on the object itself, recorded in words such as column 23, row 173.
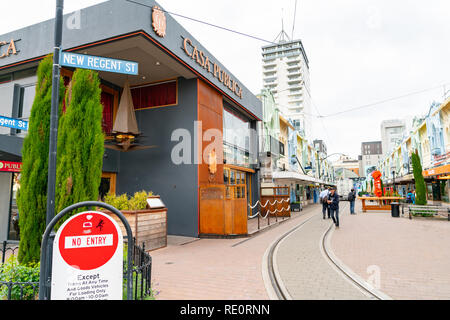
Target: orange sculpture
column 376, row 175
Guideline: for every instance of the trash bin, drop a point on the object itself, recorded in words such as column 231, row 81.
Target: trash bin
column 395, row 209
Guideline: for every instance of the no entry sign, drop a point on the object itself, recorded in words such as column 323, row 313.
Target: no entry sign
column 88, row 259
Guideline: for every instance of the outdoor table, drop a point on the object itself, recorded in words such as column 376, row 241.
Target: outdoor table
column 383, row 203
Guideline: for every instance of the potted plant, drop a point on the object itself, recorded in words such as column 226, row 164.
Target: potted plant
column 296, row 206
column 148, row 225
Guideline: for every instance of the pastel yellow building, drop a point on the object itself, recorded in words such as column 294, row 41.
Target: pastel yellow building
column 430, row 138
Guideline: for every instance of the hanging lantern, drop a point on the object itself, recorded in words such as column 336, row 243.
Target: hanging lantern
column 125, row 133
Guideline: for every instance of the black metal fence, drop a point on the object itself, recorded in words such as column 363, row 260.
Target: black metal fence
column 29, row 290
column 9, row 248
column 142, row 273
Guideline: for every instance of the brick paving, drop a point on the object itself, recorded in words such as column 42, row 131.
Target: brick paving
column 305, row 271
column 221, row 269
column 410, row 258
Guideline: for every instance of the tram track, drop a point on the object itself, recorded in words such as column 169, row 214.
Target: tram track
column 278, row 289
column 275, row 280
column 345, row 272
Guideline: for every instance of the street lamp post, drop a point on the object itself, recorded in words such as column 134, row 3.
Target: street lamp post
column 393, row 178
column 321, row 159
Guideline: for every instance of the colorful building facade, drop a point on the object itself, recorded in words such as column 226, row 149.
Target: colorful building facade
column 288, row 159
column 430, row 138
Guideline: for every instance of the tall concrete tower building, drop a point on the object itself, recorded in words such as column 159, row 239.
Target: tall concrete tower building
column 392, row 132
column 286, row 74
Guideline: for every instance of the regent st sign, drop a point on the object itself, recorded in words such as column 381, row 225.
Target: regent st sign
column 212, row 67
column 83, row 61
column 8, row 48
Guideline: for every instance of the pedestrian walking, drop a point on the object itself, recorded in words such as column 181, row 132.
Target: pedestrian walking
column 323, row 196
column 410, row 197
column 333, row 200
column 351, row 198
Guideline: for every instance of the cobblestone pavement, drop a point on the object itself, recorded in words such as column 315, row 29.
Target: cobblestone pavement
column 409, row 259
column 305, row 271
column 221, row 269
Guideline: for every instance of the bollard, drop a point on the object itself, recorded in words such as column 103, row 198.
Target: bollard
column 4, row 251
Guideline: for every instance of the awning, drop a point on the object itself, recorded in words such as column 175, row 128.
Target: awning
column 437, row 171
column 11, row 148
column 290, row 175
column 407, row 178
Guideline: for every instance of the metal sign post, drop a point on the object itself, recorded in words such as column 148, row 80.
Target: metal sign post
column 54, row 113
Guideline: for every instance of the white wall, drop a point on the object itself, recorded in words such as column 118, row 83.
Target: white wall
column 7, row 95
column 6, row 98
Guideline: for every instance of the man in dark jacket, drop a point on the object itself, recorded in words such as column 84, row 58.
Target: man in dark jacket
column 333, row 200
column 351, row 198
column 323, row 196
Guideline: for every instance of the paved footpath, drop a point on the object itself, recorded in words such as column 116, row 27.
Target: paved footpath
column 408, row 259
column 221, row 269
column 304, row 269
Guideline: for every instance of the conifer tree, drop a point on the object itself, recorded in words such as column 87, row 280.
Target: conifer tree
column 421, row 197
column 32, row 195
column 80, row 142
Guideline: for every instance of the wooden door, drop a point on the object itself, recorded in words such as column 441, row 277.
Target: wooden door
column 212, row 209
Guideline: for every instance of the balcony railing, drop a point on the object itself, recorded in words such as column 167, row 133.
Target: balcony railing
column 267, row 143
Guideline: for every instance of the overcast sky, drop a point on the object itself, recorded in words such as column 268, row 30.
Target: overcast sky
column 359, row 52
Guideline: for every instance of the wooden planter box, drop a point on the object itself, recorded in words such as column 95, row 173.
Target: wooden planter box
column 380, row 203
column 149, row 226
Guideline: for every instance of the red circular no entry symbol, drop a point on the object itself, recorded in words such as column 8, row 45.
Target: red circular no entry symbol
column 88, row 240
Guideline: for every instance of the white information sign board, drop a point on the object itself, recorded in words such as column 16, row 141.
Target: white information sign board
column 155, row 203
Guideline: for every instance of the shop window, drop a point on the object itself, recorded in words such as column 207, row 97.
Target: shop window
column 232, row 177
column 155, row 95
column 226, row 177
column 107, row 101
column 107, row 185
column 281, row 148
column 107, row 98
column 27, row 93
column 13, row 230
column 235, row 182
column 237, row 139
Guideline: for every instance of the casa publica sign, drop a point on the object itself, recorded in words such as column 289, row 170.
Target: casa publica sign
column 212, row 67
column 8, row 48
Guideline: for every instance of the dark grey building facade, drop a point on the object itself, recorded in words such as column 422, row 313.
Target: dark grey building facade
column 181, row 92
